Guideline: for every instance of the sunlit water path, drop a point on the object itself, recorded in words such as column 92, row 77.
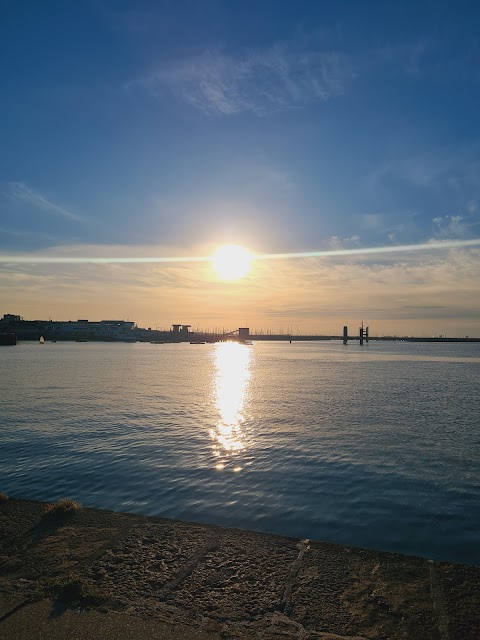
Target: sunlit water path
column 376, row 446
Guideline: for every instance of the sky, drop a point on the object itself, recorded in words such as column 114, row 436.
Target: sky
column 168, row 129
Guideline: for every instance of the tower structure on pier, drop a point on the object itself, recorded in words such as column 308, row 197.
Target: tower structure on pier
column 362, row 334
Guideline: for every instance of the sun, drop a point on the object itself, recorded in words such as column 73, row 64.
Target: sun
column 231, row 261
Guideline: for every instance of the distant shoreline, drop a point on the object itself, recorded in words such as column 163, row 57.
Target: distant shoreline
column 267, row 338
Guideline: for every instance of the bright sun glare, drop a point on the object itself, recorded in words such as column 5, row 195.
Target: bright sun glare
column 231, row 262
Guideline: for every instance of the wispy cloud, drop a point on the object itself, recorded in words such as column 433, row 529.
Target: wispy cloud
column 336, row 243
column 20, row 192
column 454, row 227
column 455, row 168
column 260, row 81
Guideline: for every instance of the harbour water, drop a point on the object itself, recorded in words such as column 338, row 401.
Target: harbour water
column 375, row 446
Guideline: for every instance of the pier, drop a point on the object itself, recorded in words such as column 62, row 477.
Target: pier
column 362, row 335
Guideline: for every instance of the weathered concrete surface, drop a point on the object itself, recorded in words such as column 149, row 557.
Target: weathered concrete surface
column 103, row 574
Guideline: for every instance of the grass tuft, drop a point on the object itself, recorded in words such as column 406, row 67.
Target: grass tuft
column 73, row 590
column 63, row 507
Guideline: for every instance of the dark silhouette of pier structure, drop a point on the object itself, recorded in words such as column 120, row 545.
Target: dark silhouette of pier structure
column 362, row 334
column 242, row 334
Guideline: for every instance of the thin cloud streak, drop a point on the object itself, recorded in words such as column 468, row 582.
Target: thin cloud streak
column 330, row 253
column 259, row 82
column 405, row 248
column 20, row 192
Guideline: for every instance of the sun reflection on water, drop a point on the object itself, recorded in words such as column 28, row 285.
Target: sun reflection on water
column 232, row 375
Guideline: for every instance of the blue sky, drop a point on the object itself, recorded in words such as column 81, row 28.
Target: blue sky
column 284, row 126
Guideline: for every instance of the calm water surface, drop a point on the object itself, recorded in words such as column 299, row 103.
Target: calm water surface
column 376, row 446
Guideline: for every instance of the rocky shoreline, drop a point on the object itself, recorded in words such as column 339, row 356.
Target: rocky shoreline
column 88, row 573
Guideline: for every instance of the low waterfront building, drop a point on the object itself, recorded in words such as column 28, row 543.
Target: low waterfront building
column 67, row 330
column 82, row 329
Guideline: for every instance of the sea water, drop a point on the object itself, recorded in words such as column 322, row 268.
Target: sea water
column 375, row 446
